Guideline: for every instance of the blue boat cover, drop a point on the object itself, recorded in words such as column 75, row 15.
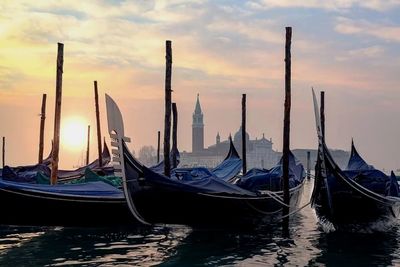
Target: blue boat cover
column 106, row 158
column 256, row 171
column 26, row 174
column 206, row 183
column 366, row 175
column 90, row 189
column 394, row 185
column 35, row 173
column 356, row 162
column 260, row 179
column 159, row 167
column 228, row 168
column 203, row 184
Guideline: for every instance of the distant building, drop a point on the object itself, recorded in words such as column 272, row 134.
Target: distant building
column 197, row 129
column 259, row 151
column 341, row 157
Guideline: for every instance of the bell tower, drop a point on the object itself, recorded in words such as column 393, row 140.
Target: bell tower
column 197, row 128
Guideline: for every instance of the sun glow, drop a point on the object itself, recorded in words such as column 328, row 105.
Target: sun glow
column 74, row 133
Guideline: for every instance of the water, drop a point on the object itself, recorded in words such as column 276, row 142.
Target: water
column 309, row 245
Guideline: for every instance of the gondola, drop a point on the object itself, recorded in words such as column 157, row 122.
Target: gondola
column 360, row 195
column 94, row 166
column 28, row 172
column 93, row 202
column 87, row 204
column 39, row 173
column 227, row 170
column 28, row 202
column 209, row 201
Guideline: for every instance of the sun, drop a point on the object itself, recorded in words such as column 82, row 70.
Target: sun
column 73, row 133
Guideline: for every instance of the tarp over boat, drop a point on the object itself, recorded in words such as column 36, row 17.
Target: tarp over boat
column 202, row 184
column 159, row 167
column 90, row 189
column 226, row 170
column 356, row 162
column 26, row 174
column 106, row 158
column 29, row 169
column 230, row 166
column 37, row 173
column 257, row 179
column 366, row 175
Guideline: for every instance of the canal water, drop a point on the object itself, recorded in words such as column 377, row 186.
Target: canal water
column 309, row 244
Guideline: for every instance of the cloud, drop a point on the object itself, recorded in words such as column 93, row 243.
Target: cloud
column 336, row 5
column 220, row 49
column 371, row 52
column 9, row 78
column 390, row 33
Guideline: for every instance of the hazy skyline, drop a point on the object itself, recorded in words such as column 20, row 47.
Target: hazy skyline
column 221, row 49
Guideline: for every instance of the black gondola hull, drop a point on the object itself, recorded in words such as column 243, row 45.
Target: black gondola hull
column 344, row 201
column 349, row 207
column 166, row 205
column 30, row 208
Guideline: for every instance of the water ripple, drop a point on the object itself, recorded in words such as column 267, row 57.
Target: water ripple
column 310, row 244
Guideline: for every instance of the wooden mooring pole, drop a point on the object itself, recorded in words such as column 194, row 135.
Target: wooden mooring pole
column 167, row 121
column 158, row 146
column 96, row 102
column 308, row 165
column 174, row 135
column 41, row 134
column 88, row 145
column 322, row 114
column 244, row 150
column 4, row 151
column 57, row 114
column 286, row 131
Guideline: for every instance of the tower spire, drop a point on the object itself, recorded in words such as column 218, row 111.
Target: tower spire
column 197, row 109
column 197, row 128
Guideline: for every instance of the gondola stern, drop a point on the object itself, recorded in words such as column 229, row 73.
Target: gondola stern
column 321, row 171
column 232, row 150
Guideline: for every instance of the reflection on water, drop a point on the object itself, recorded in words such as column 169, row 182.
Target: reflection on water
column 308, row 245
column 65, row 247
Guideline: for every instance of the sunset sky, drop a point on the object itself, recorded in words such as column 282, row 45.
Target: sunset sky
column 221, row 49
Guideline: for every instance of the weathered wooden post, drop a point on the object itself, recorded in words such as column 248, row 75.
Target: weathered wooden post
column 167, row 121
column 158, row 146
column 96, row 101
column 322, row 114
column 57, row 114
column 308, row 165
column 88, row 145
column 42, row 122
column 174, row 135
column 4, row 151
column 286, row 130
column 244, row 160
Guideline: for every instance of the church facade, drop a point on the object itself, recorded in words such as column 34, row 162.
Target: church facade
column 259, row 151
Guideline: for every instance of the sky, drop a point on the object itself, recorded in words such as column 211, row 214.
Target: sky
column 221, row 49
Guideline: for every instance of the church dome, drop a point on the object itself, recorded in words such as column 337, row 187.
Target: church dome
column 238, row 136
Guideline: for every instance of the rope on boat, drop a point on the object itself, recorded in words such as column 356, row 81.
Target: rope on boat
column 261, row 211
column 276, row 198
column 294, row 212
column 373, row 196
